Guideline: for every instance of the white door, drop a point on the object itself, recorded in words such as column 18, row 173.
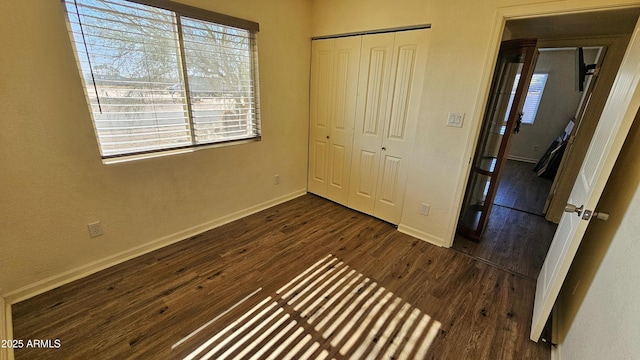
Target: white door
column 334, row 79
column 371, row 111
column 407, row 80
column 319, row 114
column 390, row 86
column 343, row 111
column 615, row 121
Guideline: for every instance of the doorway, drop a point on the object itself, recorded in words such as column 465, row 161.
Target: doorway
column 517, row 236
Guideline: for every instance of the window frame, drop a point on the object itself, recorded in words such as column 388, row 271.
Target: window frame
column 182, row 10
column 528, row 118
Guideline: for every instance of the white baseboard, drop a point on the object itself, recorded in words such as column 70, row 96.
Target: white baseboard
column 66, row 277
column 421, row 235
column 523, row 159
column 6, row 329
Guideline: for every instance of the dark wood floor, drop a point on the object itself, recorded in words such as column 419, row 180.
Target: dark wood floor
column 517, row 236
column 521, row 188
column 307, row 279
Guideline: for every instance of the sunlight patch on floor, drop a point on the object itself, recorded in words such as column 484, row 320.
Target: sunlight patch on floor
column 328, row 309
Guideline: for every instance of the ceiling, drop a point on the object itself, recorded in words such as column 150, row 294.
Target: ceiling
column 587, row 24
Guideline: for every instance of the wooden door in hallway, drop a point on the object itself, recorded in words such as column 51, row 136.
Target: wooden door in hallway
column 513, row 71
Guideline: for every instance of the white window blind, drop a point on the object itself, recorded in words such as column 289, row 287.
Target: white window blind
column 158, row 79
column 534, row 95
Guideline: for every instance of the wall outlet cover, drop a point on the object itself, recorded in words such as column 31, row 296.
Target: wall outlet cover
column 455, row 119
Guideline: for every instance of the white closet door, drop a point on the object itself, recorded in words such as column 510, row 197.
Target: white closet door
column 334, row 78
column 345, row 88
column 371, row 112
column 407, row 80
column 391, row 79
column 319, row 117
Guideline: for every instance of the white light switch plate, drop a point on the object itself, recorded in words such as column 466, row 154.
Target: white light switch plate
column 455, row 119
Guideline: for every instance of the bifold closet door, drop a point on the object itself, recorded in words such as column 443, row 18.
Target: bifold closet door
column 391, row 78
column 334, row 80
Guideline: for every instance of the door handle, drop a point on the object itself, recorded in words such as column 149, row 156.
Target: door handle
column 598, row 215
column 586, row 214
column 570, row 208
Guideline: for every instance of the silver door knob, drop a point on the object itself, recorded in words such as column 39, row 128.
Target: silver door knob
column 598, row 215
column 586, row 214
column 603, row 216
column 570, row 208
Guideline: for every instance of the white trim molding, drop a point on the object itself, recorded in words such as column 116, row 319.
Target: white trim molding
column 522, row 159
column 418, row 234
column 68, row 276
column 6, row 328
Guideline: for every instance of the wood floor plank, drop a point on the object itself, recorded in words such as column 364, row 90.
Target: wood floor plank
column 361, row 290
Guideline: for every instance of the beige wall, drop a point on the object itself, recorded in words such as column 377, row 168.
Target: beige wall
column 599, row 311
column 52, row 181
column 558, row 105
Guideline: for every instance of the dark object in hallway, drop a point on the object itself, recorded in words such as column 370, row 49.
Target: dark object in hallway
column 549, row 163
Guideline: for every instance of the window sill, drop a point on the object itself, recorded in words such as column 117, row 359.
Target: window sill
column 163, row 153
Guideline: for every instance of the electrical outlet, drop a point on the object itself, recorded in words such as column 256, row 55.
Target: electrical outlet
column 95, row 229
column 276, row 179
column 425, row 209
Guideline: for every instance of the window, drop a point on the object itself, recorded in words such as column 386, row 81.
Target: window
column 534, row 95
column 165, row 78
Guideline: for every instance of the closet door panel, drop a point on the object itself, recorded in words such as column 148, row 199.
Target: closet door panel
column 367, row 168
column 407, row 80
column 371, row 112
column 388, row 180
column 343, row 111
column 319, row 116
column 337, row 177
column 365, row 102
column 400, row 99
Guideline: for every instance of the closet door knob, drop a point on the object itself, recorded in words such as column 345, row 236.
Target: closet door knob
column 327, row 136
column 384, row 148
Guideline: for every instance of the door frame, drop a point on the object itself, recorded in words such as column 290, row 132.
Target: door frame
column 501, row 16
